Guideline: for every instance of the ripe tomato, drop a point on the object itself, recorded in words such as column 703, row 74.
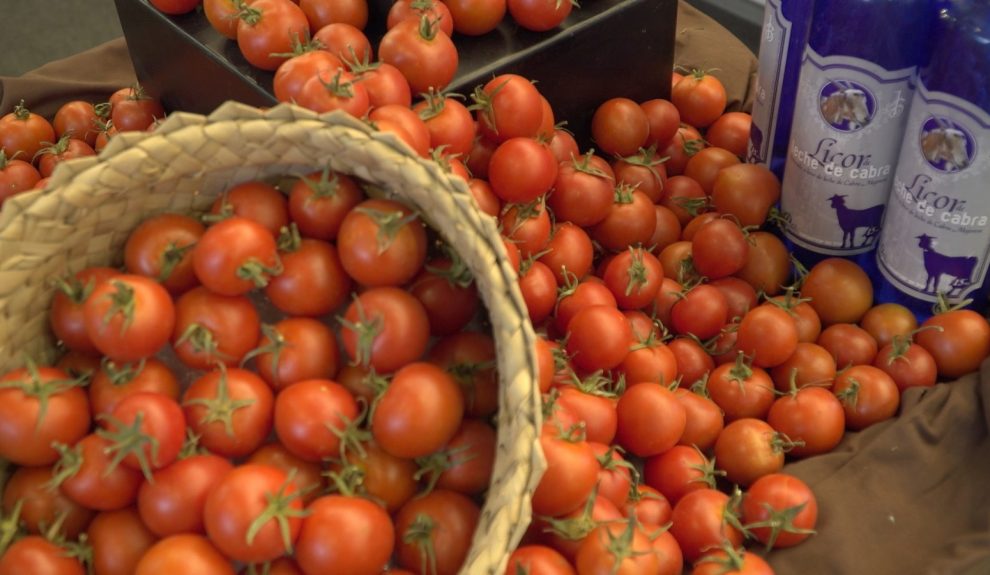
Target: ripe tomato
column 307, row 476
column 773, row 497
column 334, row 89
column 649, row 507
column 527, row 226
column 40, row 406
column 311, row 417
column 234, row 256
column 384, row 84
column 583, row 191
column 539, row 290
column 742, row 390
column 809, row 365
column 959, row 341
column 907, row 363
column 88, row 475
column 634, row 277
column 768, row 266
column 268, row 28
column 292, row 74
column 746, row 191
column 701, row 311
column 521, row 170
column 407, row 125
column 570, row 477
column 538, row 560
column 651, row 420
column 435, row 530
column 187, row 554
column 419, row 412
column 812, row 415
column 564, row 146
column 345, row 535
column 146, row 430
column 594, row 408
column 222, row 16
column 868, row 395
column 577, row 296
column 313, row 281
column 65, row 148
column 40, row 505
column 483, row 195
column 664, row 121
column 704, row 166
column 211, row 329
column 413, row 10
column 539, row 15
column 887, row 320
column 381, row 243
column 119, row 540
column 565, row 534
column 254, row 200
column 78, row 119
column 649, row 362
column 134, row 110
column 840, row 291
column 230, row 409
column 476, row 17
column 700, row 523
column 685, row 197
column 468, row 458
column 346, row 42
column 599, row 337
column 737, row 562
column 385, row 328
column 705, row 420
column 296, row 349
column 849, row 344
column 739, row 296
column 159, row 248
column 508, row 107
column 258, row 500
column 377, row 475
column 16, row 176
column 768, row 335
column 620, row 127
column 569, row 249
column 23, row 133
column 318, row 203
column 679, row 471
column 173, row 501
column 469, row 357
column 67, row 318
column 645, row 170
column 449, row 122
column 700, row 98
column 615, row 475
column 748, row 449
column 731, row 132
column 693, row 362
column 35, row 554
column 719, row 248
column 422, row 52
column 809, row 325
column 618, row 548
column 630, row 221
column 323, row 12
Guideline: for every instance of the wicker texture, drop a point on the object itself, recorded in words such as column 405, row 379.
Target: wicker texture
column 90, row 206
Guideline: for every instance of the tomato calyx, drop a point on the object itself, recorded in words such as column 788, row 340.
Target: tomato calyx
column 121, row 303
column 435, row 102
column 69, row 463
column 21, row 112
column 129, row 440
column 222, row 407
column 901, row 343
column 584, row 165
column 10, row 525
column 389, row 223
column 365, row 330
column 279, row 509
column 429, row 27
column 609, row 462
column 620, row 546
column 596, row 384
column 732, row 560
column 55, row 149
column 742, row 369
column 732, row 513
column 700, row 387
column 225, row 211
column 420, row 534
column 41, row 390
column 434, row 465
column 335, row 86
column 781, row 443
column 524, row 212
column 4, row 160
column 780, row 521
column 850, row 395
column 574, row 528
column 624, row 193
column 300, row 46
column 352, row 436
column 789, row 300
column 190, row 446
column 453, row 269
column 121, row 374
column 77, row 291
column 636, row 272
column 202, row 341
column 172, row 257
column 326, row 186
column 276, row 343
column 943, row 305
column 348, row 481
column 708, row 471
column 256, row 272
column 251, row 16
column 289, row 239
column 646, row 158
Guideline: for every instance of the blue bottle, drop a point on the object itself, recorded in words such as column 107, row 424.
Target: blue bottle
column 856, row 83
column 936, row 236
column 785, row 34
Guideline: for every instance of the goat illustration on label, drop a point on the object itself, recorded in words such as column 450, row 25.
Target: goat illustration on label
column 958, row 269
column 947, row 145
column 847, row 106
column 851, row 220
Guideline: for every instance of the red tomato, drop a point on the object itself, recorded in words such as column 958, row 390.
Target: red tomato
column 313, row 281
column 720, row 248
column 840, row 291
column 634, row 277
column 476, row 17
column 702, row 311
column 230, row 409
column 731, row 562
column 908, row 364
column 307, row 476
column 664, row 121
column 378, row 475
column 620, row 127
column 564, row 146
column 569, row 249
column 419, row 412
column 187, row 554
column 65, row 148
column 594, row 408
column 469, row 357
column 268, row 28
column 211, row 329
column 685, row 143
column 809, row 365
column 868, row 395
column 159, row 248
column 699, row 523
column 67, row 317
column 741, row 389
column 134, row 110
column 570, row 477
column 538, row 560
column 222, row 16
column 345, row 535
column 16, row 176
column 119, row 539
column 630, row 221
column 528, row 226
column 91, row 478
column 809, row 325
column 23, row 133
column 382, row 243
column 679, row 471
column 772, row 498
column 385, row 328
column 146, row 430
column 769, row 266
column 334, row 89
column 413, row 10
column 468, row 458
column 254, row 200
column 449, row 122
column 748, row 449
column 651, row 420
column 36, row 555
column 436, row 530
column 539, row 15
column 346, row 42
column 384, row 84
column 649, row 507
column 731, row 131
column 296, row 349
column 617, row 548
column 292, row 74
column 645, row 171
column 583, row 191
column 39, row 505
column 508, row 106
column 598, row 338
column 693, row 362
column 812, row 416
column 539, row 290
column 323, row 12
column 886, row 320
column 173, row 501
column 311, row 417
column 318, row 203
column 129, row 317
column 746, row 191
column 849, row 344
column 78, row 119
column 422, row 52
column 959, row 341
column 649, row 363
column 521, row 170
column 704, row 166
column 700, row 98
column 768, row 335
column 235, row 256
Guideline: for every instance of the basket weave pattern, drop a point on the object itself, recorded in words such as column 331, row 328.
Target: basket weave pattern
column 85, row 214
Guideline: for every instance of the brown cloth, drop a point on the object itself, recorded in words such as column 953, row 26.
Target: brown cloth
column 908, row 497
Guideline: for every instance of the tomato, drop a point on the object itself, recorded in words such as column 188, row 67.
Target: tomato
column 582, row 192
column 267, row 28
column 569, row 249
column 408, row 126
column 78, row 119
column 468, row 458
column 704, row 419
column 645, row 171
column 649, row 507
column 235, row 256
column 346, row 42
column 577, row 296
column 538, row 560
column 36, row 555
column 700, row 98
column 448, row 121
column 687, row 141
column 175, row 7
column 486, row 199
column 318, row 203
column 885, row 321
column 119, row 540
column 615, row 475
column 111, row 383
column 384, row 84
column 435, row 530
column 741, row 389
column 135, row 111
column 704, row 166
column 255, row 499
column 173, row 502
column 16, row 176
column 476, row 17
column 593, row 407
column 187, row 554
column 617, row 549
column 809, row 365
column 211, row 329
column 422, row 52
column 87, row 474
column 649, row 363
column 812, row 416
column 772, row 498
column 293, row 73
column 634, row 277
column 701, row 311
column 413, row 10
column 230, row 409
column 419, row 412
column 748, row 449
column 565, row 534
column 23, row 133
column 296, row 349
column 40, row 406
column 323, row 12
column 469, row 357
column 313, row 281
column 385, row 328
column 739, row 296
column 768, row 266
column 908, row 364
column 719, row 248
column 539, row 15
column 539, row 290
column 544, row 363
column 521, row 170
column 334, row 89
column 222, row 16
column 868, row 395
column 159, row 248
column 679, row 471
column 598, row 338
column 570, row 477
column 312, row 415
column 849, row 344
column 67, row 316
column 146, row 430
column 254, row 200
column 345, row 535
column 735, row 562
column 307, row 476
column 664, row 121
column 678, row 265
column 731, row 132
column 508, row 106
column 40, row 504
column 699, row 523
column 528, row 226
column 620, row 127
column 840, row 291
column 564, row 146
column 651, row 420
column 768, row 335
column 693, row 362
column 746, row 191
column 959, row 341
column 630, row 221
column 381, row 243
column 374, row 473
column 809, row 325
column 481, row 152
column 685, row 197
column 65, row 148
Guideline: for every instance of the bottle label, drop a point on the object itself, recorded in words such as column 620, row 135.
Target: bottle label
column 936, row 237
column 848, row 124
column 769, row 82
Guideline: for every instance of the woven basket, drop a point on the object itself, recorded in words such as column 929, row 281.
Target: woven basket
column 85, row 214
